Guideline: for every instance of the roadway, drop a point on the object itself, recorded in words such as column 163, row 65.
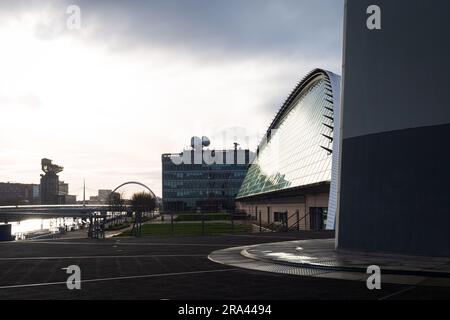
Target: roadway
column 169, row 268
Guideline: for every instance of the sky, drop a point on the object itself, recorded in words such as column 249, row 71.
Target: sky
column 140, row 78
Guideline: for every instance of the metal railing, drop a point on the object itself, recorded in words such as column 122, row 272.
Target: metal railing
column 206, row 223
column 283, row 225
column 99, row 225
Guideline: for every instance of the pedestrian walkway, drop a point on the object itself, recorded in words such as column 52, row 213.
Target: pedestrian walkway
column 318, row 258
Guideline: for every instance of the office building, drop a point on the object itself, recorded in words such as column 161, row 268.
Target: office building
column 18, row 193
column 203, row 180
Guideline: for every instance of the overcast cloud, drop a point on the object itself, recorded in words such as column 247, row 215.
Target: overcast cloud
column 141, row 77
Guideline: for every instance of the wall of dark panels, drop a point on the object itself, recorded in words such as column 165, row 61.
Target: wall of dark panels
column 395, row 174
column 395, row 192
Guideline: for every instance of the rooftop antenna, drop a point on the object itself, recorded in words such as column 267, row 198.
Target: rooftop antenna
column 235, row 157
column 84, row 192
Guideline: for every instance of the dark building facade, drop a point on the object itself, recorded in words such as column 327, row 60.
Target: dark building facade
column 18, row 193
column 291, row 182
column 201, row 180
column 394, row 185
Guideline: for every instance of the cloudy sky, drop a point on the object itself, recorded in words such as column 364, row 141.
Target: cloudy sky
column 139, row 78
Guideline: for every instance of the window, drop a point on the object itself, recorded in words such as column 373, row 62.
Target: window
column 293, row 156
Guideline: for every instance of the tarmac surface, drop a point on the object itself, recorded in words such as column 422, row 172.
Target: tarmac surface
column 170, row 268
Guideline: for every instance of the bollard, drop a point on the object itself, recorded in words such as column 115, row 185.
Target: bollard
column 203, row 224
column 260, row 222
column 232, row 223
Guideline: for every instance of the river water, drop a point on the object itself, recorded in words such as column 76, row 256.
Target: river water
column 37, row 225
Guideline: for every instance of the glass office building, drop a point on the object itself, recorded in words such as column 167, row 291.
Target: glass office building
column 290, row 180
column 203, row 185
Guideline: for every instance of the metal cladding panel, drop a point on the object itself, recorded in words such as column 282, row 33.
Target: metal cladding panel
column 333, row 202
column 394, row 190
column 396, row 77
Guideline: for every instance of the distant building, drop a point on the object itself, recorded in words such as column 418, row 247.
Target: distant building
column 198, row 180
column 36, row 193
column 63, row 188
column 70, row 199
column 53, row 191
column 50, row 182
column 93, row 200
column 103, row 197
column 18, row 193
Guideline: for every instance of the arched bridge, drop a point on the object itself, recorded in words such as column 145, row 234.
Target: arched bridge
column 19, row 212
column 137, row 183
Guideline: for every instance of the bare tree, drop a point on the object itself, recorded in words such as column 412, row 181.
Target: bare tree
column 116, row 205
column 141, row 203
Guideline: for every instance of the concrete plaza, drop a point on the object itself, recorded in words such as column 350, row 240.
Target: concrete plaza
column 171, row 268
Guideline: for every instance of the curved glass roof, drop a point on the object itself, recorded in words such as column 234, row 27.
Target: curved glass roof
column 297, row 148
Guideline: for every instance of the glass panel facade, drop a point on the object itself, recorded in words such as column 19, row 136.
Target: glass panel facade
column 189, row 187
column 297, row 149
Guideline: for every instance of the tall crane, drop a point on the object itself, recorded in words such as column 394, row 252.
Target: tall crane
column 49, row 188
column 49, row 167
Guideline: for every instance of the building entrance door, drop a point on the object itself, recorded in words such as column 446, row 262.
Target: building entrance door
column 317, row 218
column 282, row 219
